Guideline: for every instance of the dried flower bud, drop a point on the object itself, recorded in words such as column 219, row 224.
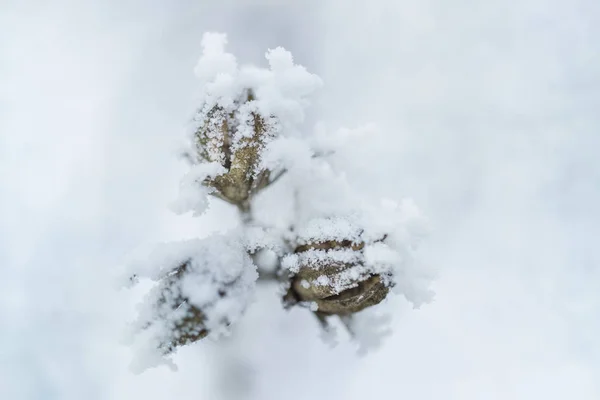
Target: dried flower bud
column 332, row 273
column 185, row 322
column 235, row 136
column 207, row 291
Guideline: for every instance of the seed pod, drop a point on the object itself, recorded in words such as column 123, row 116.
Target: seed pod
column 235, row 136
column 185, row 322
column 206, row 293
column 332, row 274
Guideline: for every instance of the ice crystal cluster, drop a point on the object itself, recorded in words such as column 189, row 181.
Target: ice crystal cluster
column 336, row 250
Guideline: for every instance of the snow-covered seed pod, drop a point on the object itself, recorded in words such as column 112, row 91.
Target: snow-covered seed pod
column 332, row 275
column 185, row 322
column 203, row 295
column 235, row 136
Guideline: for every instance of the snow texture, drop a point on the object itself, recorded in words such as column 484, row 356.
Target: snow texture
column 281, row 91
column 218, row 278
column 193, row 195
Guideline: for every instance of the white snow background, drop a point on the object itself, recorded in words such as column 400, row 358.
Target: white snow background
column 489, row 114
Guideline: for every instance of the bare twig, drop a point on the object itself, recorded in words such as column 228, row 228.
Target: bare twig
column 187, row 157
column 324, row 154
column 347, row 322
column 278, row 176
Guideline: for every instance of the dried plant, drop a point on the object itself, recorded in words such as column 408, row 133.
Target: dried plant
column 338, row 251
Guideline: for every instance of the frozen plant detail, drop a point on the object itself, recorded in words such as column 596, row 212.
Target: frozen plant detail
column 333, row 249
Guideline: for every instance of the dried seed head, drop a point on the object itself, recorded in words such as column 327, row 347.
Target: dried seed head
column 203, row 295
column 185, row 322
column 235, row 137
column 332, row 274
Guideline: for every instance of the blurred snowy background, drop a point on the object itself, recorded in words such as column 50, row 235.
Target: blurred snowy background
column 490, row 115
